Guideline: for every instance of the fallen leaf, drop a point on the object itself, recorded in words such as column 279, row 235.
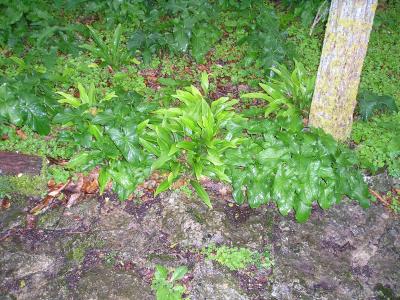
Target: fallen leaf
column 5, row 203
column 58, row 190
column 73, row 199
column 4, row 137
column 75, row 187
column 42, row 206
column 22, row 135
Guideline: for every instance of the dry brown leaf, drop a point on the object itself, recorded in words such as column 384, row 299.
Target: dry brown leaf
column 58, row 189
column 75, row 187
column 5, row 203
column 73, row 199
column 42, row 206
column 22, row 135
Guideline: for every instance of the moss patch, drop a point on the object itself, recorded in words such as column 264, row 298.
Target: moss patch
column 24, row 185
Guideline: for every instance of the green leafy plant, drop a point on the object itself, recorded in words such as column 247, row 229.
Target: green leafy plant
column 113, row 55
column 22, row 107
column 377, row 143
column 36, row 23
column 311, row 163
column 368, row 103
column 184, row 26
column 108, row 137
column 235, row 258
column 191, row 140
column 288, row 95
column 87, row 96
column 165, row 283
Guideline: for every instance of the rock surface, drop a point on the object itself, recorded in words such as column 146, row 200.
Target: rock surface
column 104, row 249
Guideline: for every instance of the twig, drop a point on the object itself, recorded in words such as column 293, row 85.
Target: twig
column 379, row 197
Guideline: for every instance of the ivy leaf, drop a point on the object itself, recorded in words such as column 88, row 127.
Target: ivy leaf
column 258, row 193
column 127, row 142
column 303, row 212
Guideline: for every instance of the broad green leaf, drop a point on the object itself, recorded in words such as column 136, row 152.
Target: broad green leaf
column 160, row 162
column 69, row 99
column 161, row 272
column 303, row 212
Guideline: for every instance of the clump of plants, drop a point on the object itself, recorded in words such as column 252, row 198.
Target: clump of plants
column 235, row 258
column 314, row 166
column 107, row 135
column 191, row 140
column 166, row 284
column 288, row 94
column 113, row 54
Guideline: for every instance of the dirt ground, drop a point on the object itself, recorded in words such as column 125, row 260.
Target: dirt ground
column 101, row 248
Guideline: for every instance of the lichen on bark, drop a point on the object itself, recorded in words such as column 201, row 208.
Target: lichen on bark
column 345, row 46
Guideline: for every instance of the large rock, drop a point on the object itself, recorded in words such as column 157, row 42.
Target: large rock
column 343, row 253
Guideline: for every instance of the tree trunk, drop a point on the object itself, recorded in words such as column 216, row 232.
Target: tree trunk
column 345, row 45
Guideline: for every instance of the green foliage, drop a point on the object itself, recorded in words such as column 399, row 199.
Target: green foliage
column 368, row 103
column 381, row 69
column 114, row 54
column 180, row 26
column 109, row 138
column 235, row 258
column 395, row 205
column 58, row 174
column 36, row 23
column 312, row 164
column 165, row 283
column 266, row 43
column 306, row 10
column 26, row 97
column 87, row 96
column 191, row 139
column 378, row 143
column 289, row 95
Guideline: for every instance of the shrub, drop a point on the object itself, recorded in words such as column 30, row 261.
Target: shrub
column 294, row 169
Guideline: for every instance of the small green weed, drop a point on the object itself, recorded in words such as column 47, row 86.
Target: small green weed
column 166, row 283
column 235, row 258
column 58, row 174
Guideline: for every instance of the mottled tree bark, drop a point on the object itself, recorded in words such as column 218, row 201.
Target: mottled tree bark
column 345, row 45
